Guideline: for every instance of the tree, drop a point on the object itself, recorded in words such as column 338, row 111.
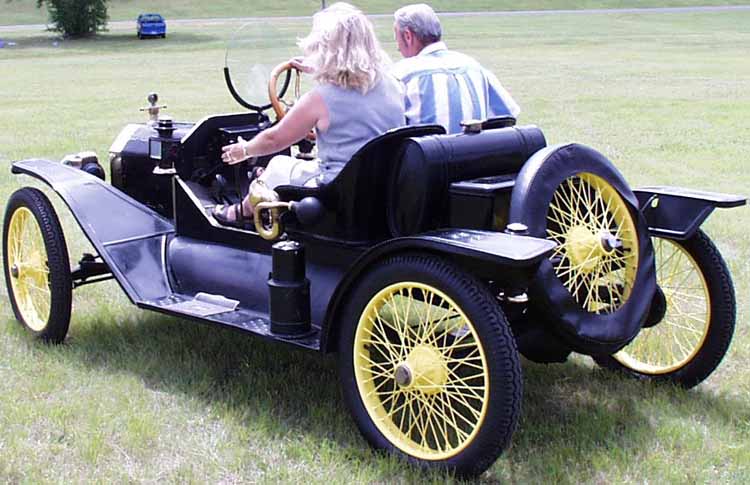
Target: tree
column 76, row 18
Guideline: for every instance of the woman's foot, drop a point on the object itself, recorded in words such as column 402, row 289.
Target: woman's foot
column 232, row 215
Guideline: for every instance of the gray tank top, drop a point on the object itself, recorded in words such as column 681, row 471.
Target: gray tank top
column 356, row 118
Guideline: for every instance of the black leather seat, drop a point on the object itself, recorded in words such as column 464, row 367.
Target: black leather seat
column 355, row 201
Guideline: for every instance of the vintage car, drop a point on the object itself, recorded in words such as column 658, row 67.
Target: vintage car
column 429, row 264
column 150, row 25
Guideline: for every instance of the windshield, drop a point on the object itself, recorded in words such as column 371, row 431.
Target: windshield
column 151, row 18
column 252, row 53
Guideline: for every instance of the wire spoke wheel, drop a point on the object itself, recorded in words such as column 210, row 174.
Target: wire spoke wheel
column 681, row 333
column 597, row 254
column 421, row 370
column 29, row 271
column 428, row 365
column 597, row 285
column 37, row 270
column 698, row 320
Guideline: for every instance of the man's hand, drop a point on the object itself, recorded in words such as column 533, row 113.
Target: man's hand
column 234, row 153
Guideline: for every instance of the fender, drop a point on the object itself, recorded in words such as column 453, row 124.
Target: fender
column 484, row 253
column 676, row 213
column 130, row 237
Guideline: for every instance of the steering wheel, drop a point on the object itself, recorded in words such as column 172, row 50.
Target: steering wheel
column 281, row 106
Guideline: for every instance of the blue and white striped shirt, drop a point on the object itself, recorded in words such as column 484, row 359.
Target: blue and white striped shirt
column 446, row 87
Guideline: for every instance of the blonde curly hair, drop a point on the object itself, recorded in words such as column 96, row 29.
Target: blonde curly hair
column 343, row 50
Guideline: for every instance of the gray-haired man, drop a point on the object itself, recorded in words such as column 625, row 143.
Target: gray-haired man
column 442, row 86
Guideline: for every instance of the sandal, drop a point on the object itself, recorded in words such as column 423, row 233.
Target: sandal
column 223, row 215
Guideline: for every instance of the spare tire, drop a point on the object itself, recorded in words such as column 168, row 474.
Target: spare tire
column 596, row 288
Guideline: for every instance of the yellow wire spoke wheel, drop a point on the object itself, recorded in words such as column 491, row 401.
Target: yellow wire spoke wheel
column 421, row 370
column 596, row 288
column 698, row 320
column 29, row 272
column 37, row 272
column 429, row 366
column 597, row 254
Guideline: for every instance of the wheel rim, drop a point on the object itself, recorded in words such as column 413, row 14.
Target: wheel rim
column 421, row 371
column 597, row 254
column 680, row 335
column 29, row 272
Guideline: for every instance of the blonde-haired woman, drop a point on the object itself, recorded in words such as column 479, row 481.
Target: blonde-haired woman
column 355, row 100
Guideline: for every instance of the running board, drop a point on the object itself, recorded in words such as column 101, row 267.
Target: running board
column 243, row 319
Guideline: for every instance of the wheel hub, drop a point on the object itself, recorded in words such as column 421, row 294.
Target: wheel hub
column 586, row 249
column 403, row 375
column 424, row 370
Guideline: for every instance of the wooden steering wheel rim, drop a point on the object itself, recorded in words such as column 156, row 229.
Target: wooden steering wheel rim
column 278, row 107
column 277, row 71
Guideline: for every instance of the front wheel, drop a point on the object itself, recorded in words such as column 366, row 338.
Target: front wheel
column 428, row 366
column 698, row 308
column 37, row 269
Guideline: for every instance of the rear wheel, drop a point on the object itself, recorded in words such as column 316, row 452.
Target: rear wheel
column 428, row 366
column 37, row 269
column 689, row 341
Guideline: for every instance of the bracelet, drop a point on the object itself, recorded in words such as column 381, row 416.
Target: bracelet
column 244, row 150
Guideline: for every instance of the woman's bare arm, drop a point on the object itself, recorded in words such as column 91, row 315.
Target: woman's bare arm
column 308, row 112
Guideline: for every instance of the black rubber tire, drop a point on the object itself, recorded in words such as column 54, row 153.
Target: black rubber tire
column 60, row 281
column 585, row 332
column 720, row 326
column 494, row 432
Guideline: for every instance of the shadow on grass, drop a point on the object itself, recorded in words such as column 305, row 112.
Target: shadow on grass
column 105, row 40
column 571, row 413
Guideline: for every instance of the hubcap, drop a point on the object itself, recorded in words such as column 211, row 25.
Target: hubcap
column 586, row 249
column 403, row 375
column 424, row 370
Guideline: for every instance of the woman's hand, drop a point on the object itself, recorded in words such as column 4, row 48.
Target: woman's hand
column 299, row 64
column 234, row 153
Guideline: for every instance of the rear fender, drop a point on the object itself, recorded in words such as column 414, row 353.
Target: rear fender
column 676, row 213
column 512, row 259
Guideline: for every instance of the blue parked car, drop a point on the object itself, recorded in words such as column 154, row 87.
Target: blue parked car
column 151, row 25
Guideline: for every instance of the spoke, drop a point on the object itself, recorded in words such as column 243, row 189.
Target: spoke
column 392, row 396
column 408, row 397
column 376, row 364
column 374, row 375
column 391, row 353
column 450, row 420
column 463, row 418
column 377, row 387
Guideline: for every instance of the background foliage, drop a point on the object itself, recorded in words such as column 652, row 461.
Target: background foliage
column 76, row 18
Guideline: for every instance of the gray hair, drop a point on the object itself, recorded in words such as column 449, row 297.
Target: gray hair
column 421, row 20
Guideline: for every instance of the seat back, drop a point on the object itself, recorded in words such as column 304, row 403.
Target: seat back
column 355, row 201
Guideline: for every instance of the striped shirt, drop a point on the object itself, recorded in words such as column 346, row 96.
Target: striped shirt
column 446, row 87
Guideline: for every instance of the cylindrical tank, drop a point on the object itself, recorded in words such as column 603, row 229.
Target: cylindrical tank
column 289, row 290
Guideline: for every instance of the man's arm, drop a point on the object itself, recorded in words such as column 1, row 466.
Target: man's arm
column 499, row 100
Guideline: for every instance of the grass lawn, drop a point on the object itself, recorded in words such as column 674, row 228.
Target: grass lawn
column 133, row 396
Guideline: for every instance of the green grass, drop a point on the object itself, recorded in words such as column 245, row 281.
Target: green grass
column 25, row 11
column 133, row 396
